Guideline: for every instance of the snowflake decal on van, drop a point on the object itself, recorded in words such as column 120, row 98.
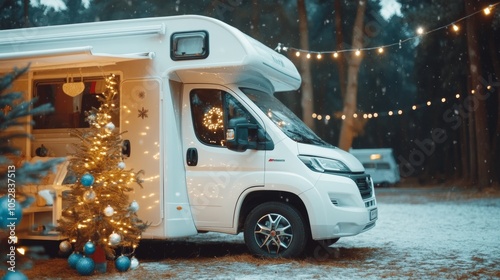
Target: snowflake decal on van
column 143, row 113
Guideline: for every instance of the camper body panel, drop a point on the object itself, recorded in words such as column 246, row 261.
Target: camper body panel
column 219, row 176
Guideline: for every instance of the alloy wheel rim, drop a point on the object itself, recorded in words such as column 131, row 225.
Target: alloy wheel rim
column 273, row 232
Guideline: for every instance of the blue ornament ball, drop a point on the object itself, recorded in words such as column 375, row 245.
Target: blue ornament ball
column 122, row 263
column 73, row 259
column 11, row 212
column 85, row 266
column 17, row 275
column 89, row 248
column 87, row 180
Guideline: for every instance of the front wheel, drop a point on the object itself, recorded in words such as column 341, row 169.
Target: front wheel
column 275, row 229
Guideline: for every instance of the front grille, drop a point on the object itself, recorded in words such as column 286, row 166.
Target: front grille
column 363, row 181
column 364, row 185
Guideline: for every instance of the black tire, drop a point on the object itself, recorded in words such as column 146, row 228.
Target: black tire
column 275, row 229
column 328, row 242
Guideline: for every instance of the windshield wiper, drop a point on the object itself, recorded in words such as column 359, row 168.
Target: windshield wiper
column 301, row 138
column 307, row 140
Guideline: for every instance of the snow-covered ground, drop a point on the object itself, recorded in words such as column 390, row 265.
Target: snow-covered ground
column 421, row 234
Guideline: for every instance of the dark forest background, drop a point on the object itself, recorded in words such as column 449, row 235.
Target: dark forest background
column 436, row 143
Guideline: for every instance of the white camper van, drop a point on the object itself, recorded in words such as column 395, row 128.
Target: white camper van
column 219, row 151
column 380, row 164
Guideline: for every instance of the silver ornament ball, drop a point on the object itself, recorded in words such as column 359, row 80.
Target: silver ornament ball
column 134, row 206
column 115, row 239
column 65, row 246
column 109, row 211
column 134, row 263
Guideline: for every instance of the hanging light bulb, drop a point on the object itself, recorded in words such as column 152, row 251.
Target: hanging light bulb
column 455, row 27
column 297, row 53
column 487, row 10
column 358, row 52
column 420, row 31
column 380, row 50
column 319, row 56
column 335, row 54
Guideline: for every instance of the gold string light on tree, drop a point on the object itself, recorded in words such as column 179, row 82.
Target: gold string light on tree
column 98, row 213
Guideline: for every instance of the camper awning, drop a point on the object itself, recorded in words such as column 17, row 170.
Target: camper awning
column 64, row 58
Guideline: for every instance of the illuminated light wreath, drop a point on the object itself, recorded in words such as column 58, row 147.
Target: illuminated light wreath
column 213, row 119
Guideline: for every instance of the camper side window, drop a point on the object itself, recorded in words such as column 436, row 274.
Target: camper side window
column 211, row 109
column 69, row 111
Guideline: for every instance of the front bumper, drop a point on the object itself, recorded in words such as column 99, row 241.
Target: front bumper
column 348, row 206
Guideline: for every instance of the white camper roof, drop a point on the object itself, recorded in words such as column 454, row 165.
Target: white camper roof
column 234, row 57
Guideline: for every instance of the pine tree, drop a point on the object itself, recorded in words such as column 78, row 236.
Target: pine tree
column 13, row 112
column 14, row 172
column 98, row 208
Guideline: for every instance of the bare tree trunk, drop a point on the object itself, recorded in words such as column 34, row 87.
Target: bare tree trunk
column 26, row 8
column 347, row 131
column 254, row 32
column 482, row 143
column 472, row 150
column 305, row 68
column 495, row 145
column 340, row 40
column 464, row 151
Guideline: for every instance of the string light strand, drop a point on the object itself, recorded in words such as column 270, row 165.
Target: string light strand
column 380, row 49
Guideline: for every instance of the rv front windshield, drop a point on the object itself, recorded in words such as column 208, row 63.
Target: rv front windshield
column 283, row 118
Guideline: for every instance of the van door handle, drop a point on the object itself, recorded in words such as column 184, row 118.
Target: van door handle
column 192, row 157
column 126, row 149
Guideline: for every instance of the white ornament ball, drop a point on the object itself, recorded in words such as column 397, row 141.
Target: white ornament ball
column 134, row 263
column 121, row 165
column 110, row 126
column 114, row 239
column 65, row 246
column 109, row 211
column 134, row 206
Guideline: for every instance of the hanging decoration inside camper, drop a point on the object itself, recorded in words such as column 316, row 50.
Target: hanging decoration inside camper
column 98, row 214
column 73, row 88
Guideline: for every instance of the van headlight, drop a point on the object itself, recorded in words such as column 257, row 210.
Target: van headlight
column 320, row 164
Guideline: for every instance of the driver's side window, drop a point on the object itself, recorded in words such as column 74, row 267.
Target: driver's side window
column 211, row 110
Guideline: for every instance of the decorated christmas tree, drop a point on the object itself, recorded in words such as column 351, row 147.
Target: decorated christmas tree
column 15, row 172
column 98, row 214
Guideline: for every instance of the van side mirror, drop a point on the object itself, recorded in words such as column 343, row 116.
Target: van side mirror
column 237, row 135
